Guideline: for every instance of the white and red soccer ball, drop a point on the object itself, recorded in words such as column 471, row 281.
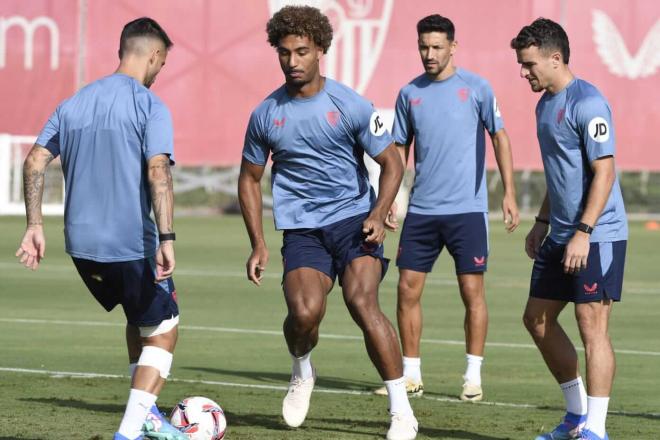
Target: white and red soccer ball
column 199, row 418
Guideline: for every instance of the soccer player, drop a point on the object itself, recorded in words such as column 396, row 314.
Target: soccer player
column 317, row 131
column 445, row 111
column 114, row 138
column 581, row 260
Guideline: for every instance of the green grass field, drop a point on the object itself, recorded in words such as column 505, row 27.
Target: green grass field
column 63, row 367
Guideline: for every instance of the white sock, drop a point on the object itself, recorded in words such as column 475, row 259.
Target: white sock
column 575, row 396
column 412, row 368
column 396, row 392
column 131, row 369
column 596, row 414
column 473, row 370
column 137, row 408
column 302, row 366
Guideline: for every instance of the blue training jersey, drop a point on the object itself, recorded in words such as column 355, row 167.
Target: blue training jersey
column 447, row 119
column 105, row 134
column 317, row 145
column 574, row 128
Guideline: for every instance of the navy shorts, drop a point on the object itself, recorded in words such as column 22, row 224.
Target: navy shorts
column 602, row 279
column 329, row 249
column 131, row 284
column 424, row 236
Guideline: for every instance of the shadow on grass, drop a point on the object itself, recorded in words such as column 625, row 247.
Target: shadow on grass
column 78, row 404
column 283, row 378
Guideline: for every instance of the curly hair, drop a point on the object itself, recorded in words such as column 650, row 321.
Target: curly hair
column 304, row 21
column 544, row 34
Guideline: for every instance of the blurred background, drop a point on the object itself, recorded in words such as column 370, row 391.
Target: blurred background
column 221, row 67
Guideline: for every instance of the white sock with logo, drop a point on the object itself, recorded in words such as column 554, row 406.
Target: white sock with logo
column 396, row 392
column 596, row 415
column 412, row 368
column 137, row 408
column 575, row 395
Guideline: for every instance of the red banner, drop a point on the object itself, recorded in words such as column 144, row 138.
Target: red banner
column 221, row 66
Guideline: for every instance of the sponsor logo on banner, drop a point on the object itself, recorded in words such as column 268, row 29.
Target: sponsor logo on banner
column 614, row 53
column 359, row 31
column 29, row 27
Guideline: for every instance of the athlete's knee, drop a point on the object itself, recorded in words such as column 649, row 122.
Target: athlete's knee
column 535, row 324
column 304, row 317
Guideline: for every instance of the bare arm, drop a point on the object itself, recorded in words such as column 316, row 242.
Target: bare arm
column 504, row 158
column 33, row 245
column 577, row 249
column 162, row 200
column 388, row 185
column 250, row 198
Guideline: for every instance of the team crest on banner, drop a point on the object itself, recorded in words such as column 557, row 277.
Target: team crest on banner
column 360, row 28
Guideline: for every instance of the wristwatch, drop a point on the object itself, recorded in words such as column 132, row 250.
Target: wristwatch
column 585, row 228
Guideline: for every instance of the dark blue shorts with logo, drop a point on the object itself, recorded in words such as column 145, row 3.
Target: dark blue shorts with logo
column 424, row 236
column 602, row 279
column 131, row 284
column 329, row 249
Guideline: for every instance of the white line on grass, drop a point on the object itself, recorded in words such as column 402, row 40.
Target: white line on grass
column 279, row 333
column 75, row 374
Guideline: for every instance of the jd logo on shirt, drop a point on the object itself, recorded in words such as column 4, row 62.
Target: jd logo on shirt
column 598, row 129
column 376, row 126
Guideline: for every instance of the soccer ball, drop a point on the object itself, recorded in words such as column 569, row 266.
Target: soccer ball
column 199, row 418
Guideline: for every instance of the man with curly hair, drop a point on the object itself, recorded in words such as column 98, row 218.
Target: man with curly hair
column 581, row 260
column 334, row 226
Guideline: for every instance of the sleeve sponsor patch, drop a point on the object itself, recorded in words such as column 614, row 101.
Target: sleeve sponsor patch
column 376, row 125
column 599, row 129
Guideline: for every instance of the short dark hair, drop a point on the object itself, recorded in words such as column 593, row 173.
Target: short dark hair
column 304, row 21
column 436, row 23
column 544, row 34
column 142, row 27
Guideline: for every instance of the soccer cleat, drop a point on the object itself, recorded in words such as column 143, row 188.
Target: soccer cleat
column 296, row 402
column 471, row 392
column 568, row 429
column 413, row 388
column 586, row 434
column 118, row 436
column 156, row 427
column 402, row 427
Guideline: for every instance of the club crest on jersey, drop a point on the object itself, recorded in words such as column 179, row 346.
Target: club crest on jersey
column 376, row 125
column 415, row 101
column 463, row 94
column 279, row 122
column 560, row 115
column 599, row 130
column 332, row 117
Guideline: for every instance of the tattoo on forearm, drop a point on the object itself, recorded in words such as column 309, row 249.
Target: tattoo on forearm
column 34, row 170
column 162, row 194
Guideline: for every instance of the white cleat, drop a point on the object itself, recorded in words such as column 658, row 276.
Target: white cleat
column 471, row 392
column 403, row 427
column 296, row 401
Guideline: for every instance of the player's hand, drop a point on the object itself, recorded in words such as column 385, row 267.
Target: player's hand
column 576, row 253
column 510, row 213
column 256, row 264
column 535, row 238
column 165, row 260
column 33, row 247
column 374, row 230
column 392, row 221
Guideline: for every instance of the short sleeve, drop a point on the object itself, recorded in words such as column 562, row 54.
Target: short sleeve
column 49, row 138
column 369, row 128
column 402, row 130
column 255, row 146
column 159, row 133
column 489, row 110
column 594, row 123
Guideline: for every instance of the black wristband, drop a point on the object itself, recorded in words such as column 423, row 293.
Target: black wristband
column 585, row 228
column 541, row 220
column 167, row 237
